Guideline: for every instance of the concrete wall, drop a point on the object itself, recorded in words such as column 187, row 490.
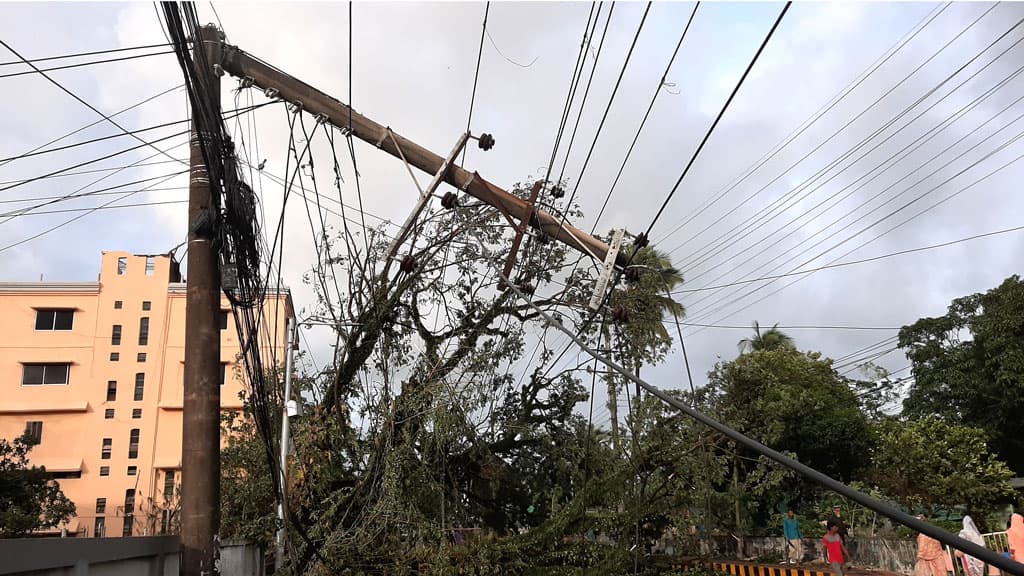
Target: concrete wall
column 138, row 556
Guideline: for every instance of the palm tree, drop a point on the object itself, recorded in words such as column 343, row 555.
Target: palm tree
column 770, row 339
column 643, row 304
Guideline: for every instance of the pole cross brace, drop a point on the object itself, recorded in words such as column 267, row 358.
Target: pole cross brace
column 510, row 260
column 425, row 196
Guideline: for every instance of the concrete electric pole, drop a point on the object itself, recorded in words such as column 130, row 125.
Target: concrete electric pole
column 200, row 442
column 257, row 73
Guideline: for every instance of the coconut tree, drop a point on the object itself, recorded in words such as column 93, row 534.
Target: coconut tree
column 770, row 339
column 638, row 312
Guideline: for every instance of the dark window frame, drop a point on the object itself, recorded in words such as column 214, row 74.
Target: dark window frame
column 150, row 265
column 144, row 331
column 108, row 414
column 115, row 356
column 34, row 431
column 122, row 265
column 104, row 470
column 140, row 386
column 141, row 357
column 115, row 334
column 136, row 413
column 55, row 319
column 133, row 470
column 118, row 304
column 111, row 390
column 101, row 505
column 107, row 451
column 133, row 443
column 45, row 368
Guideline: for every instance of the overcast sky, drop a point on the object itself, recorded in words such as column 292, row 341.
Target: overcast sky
column 413, row 70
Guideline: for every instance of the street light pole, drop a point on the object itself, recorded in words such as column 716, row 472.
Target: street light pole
column 282, row 507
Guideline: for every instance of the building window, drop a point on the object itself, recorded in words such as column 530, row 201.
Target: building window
column 108, row 414
column 34, row 431
column 101, row 505
column 115, row 356
column 168, row 485
column 133, row 470
column 143, row 331
column 41, row 374
column 136, row 413
column 224, row 319
column 129, row 524
column 118, row 304
column 147, row 305
column 115, row 335
column 104, row 470
column 129, row 501
column 55, row 319
column 140, row 386
column 165, row 521
column 111, row 390
column 150, row 265
column 141, row 357
column 133, row 444
column 223, row 372
column 108, row 446
column 100, row 530
column 65, row 475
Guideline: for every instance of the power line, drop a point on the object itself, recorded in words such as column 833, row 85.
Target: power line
column 643, row 122
column 476, row 76
column 76, row 218
column 686, row 169
column 853, row 262
column 894, row 159
column 1012, row 75
column 948, row 197
column 115, row 114
column 744, row 229
column 237, row 112
column 103, row 207
column 811, row 120
column 80, row 54
column 608, row 107
column 718, row 118
column 79, row 99
column 79, row 64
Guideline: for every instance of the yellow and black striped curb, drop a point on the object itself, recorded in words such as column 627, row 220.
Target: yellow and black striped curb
column 745, row 569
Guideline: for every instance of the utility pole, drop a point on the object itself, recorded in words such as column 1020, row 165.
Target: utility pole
column 200, row 442
column 282, row 507
column 275, row 83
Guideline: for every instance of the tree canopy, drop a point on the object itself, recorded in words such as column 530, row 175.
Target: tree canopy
column 968, row 367
column 29, row 498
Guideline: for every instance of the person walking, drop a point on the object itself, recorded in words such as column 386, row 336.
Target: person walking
column 931, row 559
column 835, row 550
column 1015, row 537
column 836, row 519
column 791, row 532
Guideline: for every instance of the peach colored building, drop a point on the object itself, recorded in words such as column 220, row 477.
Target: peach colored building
column 95, row 371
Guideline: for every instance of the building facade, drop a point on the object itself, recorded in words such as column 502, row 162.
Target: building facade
column 95, row 370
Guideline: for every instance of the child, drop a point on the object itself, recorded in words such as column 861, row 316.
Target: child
column 835, row 550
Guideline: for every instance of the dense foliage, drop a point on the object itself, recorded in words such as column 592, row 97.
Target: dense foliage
column 440, row 442
column 29, row 498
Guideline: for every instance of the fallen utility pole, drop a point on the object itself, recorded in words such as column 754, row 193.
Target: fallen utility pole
column 254, row 72
column 200, row 438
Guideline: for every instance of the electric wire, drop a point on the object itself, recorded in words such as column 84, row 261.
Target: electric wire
column 79, row 98
column 79, row 64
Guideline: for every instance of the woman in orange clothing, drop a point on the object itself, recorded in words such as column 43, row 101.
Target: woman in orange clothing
column 930, row 556
column 1015, row 535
